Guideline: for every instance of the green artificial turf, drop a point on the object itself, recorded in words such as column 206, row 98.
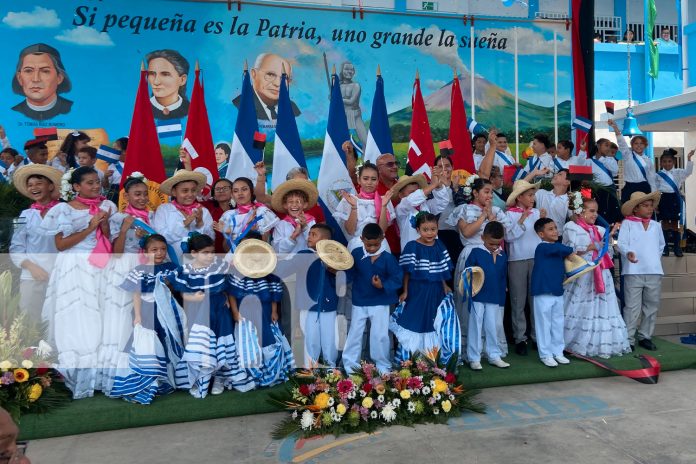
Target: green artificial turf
column 101, row 413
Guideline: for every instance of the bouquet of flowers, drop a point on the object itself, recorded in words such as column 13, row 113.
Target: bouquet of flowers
column 327, row 401
column 575, row 202
column 26, row 378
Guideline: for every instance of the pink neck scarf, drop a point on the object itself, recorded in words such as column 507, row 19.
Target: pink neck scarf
column 43, row 209
column 141, row 214
column 637, row 219
column 293, row 221
column 102, row 250
column 377, row 199
column 243, row 209
column 186, row 210
column 518, row 209
column 604, row 263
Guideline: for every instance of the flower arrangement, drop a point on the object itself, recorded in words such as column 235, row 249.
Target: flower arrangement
column 66, row 190
column 26, row 378
column 575, row 202
column 329, row 402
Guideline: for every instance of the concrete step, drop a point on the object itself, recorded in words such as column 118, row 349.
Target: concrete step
column 677, row 313
column 675, row 325
column 678, row 283
column 672, row 265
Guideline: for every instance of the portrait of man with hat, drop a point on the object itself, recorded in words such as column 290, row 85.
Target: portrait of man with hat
column 40, row 76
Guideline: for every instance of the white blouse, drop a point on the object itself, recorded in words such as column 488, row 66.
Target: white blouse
column 470, row 213
column 414, row 203
column 237, row 221
column 366, row 215
column 66, row 220
column 579, row 239
column 132, row 244
column 282, row 243
column 169, row 222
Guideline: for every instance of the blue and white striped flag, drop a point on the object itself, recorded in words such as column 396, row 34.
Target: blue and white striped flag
column 474, row 127
column 243, row 155
column 333, row 172
column 287, row 149
column 379, row 137
column 108, row 154
column 169, row 128
column 448, row 329
column 248, row 347
column 581, row 123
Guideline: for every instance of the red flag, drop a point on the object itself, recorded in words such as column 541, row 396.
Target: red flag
column 463, row 157
column 421, row 154
column 198, row 140
column 144, row 154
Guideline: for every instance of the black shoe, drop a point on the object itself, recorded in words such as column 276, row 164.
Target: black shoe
column 647, row 344
column 633, row 348
column 521, row 348
column 665, row 251
column 678, row 251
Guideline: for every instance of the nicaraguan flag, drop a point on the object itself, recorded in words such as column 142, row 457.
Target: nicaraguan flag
column 287, row 149
column 474, row 127
column 169, row 128
column 581, row 123
column 333, row 172
column 108, row 154
column 379, row 137
column 245, row 153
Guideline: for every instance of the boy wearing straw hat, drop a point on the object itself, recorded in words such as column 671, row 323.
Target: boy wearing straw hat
column 547, row 291
column 641, row 243
column 30, row 250
column 294, row 198
column 522, row 242
column 486, row 313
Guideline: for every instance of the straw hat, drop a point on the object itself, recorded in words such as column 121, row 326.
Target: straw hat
column 636, row 199
column 405, row 180
column 477, row 279
column 575, row 266
column 288, row 186
column 254, row 258
column 180, row 176
column 518, row 188
column 334, row 255
column 20, row 176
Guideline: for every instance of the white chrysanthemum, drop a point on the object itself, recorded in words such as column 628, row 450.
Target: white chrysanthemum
column 426, row 390
column 335, row 417
column 380, row 398
column 307, row 420
column 437, row 396
column 436, row 411
column 44, row 349
column 331, row 402
column 351, row 395
column 362, row 394
column 411, row 406
column 432, row 384
column 27, row 364
column 294, row 415
column 451, row 397
column 416, row 391
column 388, row 413
column 396, row 402
column 373, row 415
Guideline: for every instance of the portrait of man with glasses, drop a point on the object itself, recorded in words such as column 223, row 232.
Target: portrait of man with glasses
column 265, row 78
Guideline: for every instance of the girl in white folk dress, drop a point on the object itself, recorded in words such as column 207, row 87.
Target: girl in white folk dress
column 116, row 303
column 247, row 215
column 593, row 324
column 82, row 232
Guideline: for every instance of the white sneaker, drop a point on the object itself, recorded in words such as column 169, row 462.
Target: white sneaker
column 549, row 362
column 475, row 366
column 498, row 363
column 218, row 386
column 561, row 359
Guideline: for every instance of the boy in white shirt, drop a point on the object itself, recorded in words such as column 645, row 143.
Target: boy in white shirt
column 639, row 170
column 541, row 158
column 522, row 241
column 640, row 244
column 669, row 212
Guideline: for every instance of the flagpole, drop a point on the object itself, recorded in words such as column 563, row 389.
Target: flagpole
column 517, row 104
column 555, row 86
column 473, row 73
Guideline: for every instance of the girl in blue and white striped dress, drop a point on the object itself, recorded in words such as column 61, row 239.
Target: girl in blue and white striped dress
column 211, row 353
column 427, row 267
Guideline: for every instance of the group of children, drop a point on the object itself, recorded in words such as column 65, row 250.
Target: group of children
column 138, row 303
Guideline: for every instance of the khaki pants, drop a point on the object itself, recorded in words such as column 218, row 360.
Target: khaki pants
column 641, row 303
column 519, row 281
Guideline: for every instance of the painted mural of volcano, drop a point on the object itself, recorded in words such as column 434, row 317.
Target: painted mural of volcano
column 494, row 107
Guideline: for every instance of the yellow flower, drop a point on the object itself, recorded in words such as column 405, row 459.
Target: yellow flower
column 380, row 389
column 322, row 400
column 21, row 375
column 440, row 385
column 341, row 409
column 27, row 364
column 35, row 392
column 405, row 394
column 446, row 405
column 367, row 403
column 5, row 365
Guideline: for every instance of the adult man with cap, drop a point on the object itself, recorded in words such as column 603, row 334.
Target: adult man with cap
column 40, row 77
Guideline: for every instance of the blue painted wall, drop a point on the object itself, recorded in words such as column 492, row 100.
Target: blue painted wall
column 610, row 72
column 689, row 33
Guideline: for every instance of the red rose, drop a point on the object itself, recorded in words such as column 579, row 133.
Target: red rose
column 304, row 390
column 450, row 378
column 367, row 387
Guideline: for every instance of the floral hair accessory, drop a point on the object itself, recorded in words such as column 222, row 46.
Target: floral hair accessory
column 185, row 245
column 138, row 175
column 414, row 219
column 66, row 190
column 358, row 167
column 467, row 189
column 575, row 202
column 143, row 240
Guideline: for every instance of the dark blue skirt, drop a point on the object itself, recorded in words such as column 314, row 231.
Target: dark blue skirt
column 669, row 208
column 630, row 187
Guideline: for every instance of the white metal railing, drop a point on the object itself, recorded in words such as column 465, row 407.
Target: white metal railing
column 608, row 27
column 638, row 29
column 550, row 15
